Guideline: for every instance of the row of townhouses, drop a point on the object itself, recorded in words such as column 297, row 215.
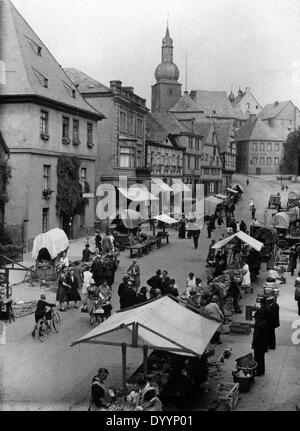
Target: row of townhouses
column 54, row 119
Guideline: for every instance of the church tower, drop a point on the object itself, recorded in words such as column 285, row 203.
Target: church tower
column 167, row 90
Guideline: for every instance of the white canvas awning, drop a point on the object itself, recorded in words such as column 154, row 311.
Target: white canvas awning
column 247, row 239
column 220, row 196
column 181, row 186
column 163, row 324
column 165, row 219
column 210, row 205
column 232, row 191
column 137, row 193
column 162, row 185
column 237, row 187
column 55, row 241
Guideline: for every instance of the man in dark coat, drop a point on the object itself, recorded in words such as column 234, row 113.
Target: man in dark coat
column 243, row 226
column 234, row 292
column 293, row 260
column 155, row 282
column 273, row 322
column 97, row 269
column 165, row 282
column 195, row 235
column 98, row 240
column 86, row 253
column 128, row 296
column 123, row 285
column 260, row 341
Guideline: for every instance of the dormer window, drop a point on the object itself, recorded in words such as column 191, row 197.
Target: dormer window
column 43, row 80
column 36, row 47
column 71, row 91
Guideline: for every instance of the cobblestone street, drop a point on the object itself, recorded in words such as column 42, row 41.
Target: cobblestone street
column 53, row 375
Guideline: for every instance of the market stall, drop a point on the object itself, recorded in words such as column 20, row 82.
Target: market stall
column 211, row 203
column 163, row 324
column 46, row 248
column 238, row 245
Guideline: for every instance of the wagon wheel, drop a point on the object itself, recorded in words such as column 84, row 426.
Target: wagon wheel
column 282, row 244
column 297, row 247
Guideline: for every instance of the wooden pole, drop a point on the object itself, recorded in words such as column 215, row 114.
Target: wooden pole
column 124, row 348
column 145, row 361
column 135, row 335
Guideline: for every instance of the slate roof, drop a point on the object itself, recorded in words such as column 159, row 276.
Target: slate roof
column 170, row 123
column 85, row 83
column 216, row 104
column 31, row 68
column 257, row 130
column 157, row 132
column 272, row 110
column 185, row 104
column 224, row 131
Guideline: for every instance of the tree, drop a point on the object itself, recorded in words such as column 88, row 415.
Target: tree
column 291, row 153
column 69, row 201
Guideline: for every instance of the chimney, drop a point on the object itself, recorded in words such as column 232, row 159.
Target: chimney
column 248, row 89
column 130, row 89
column 115, row 85
column 276, row 103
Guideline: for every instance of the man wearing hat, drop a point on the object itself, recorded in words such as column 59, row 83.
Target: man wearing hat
column 273, row 321
column 260, row 340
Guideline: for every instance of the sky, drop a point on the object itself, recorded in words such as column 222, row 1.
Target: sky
column 227, row 43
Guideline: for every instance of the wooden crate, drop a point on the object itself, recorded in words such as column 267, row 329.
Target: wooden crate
column 228, row 393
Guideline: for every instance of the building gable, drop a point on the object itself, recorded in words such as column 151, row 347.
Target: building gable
column 31, row 68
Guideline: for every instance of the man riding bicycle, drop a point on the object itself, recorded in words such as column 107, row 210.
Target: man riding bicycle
column 41, row 312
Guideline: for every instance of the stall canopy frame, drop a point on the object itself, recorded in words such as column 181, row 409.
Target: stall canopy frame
column 161, row 324
column 165, row 219
column 232, row 191
column 247, row 239
column 137, row 194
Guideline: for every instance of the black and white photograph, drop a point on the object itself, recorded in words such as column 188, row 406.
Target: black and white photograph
column 149, row 208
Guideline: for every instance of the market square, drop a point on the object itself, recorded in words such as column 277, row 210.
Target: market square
column 149, row 236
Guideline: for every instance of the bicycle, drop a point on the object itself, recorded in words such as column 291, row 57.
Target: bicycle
column 44, row 326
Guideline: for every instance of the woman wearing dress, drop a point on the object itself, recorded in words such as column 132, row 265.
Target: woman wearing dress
column 62, row 291
column 246, row 280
